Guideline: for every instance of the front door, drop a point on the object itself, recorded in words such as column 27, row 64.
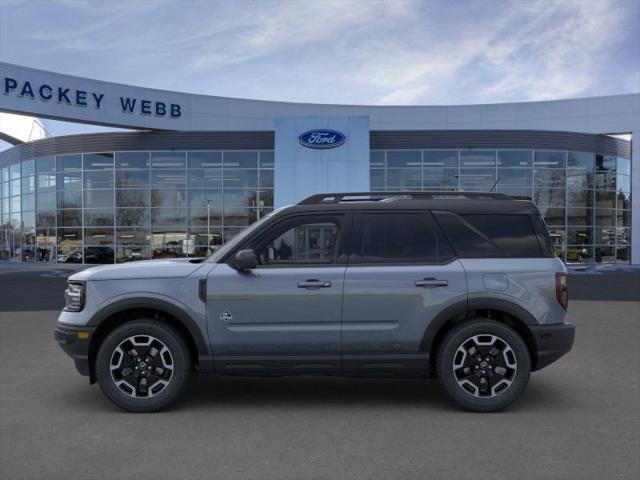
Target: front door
column 401, row 274
column 284, row 315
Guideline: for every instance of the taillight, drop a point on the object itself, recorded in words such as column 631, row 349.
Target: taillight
column 562, row 289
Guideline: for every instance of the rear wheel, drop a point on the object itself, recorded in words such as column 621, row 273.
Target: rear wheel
column 142, row 365
column 483, row 365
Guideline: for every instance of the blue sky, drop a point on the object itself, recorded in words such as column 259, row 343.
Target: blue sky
column 361, row 52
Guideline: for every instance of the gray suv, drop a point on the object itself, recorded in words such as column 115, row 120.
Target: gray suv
column 464, row 287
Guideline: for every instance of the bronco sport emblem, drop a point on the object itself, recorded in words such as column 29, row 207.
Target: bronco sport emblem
column 226, row 316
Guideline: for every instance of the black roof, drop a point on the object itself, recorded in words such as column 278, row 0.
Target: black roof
column 457, row 202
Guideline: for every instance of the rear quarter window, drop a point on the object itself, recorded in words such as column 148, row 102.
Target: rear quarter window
column 544, row 239
column 490, row 235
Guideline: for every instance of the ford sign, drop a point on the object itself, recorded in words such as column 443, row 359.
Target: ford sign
column 322, row 138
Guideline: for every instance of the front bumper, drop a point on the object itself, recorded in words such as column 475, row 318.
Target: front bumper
column 552, row 342
column 75, row 343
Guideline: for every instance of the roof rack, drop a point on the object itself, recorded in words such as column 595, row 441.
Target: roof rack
column 380, row 196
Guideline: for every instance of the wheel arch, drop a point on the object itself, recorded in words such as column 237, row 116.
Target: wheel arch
column 126, row 310
column 503, row 311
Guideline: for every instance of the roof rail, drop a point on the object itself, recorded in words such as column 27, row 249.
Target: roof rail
column 379, row 196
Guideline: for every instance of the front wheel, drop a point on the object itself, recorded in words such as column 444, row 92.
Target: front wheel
column 483, row 365
column 142, row 366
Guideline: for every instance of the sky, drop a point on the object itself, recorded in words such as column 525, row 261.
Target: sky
column 394, row 52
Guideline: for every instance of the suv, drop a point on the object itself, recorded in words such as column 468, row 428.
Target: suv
column 461, row 286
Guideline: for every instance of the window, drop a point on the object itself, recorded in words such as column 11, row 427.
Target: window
column 98, row 161
column 240, row 159
column 438, row 178
column 300, row 241
column 440, row 159
column 514, row 158
column 549, row 159
column 43, row 165
column 404, row 159
column 98, row 198
column 132, row 179
column 132, row 160
column 69, row 162
column 204, row 159
column 69, row 180
column 401, row 238
column 267, row 159
column 98, row 179
column 28, row 184
column 477, row 158
column 513, row 234
column 168, row 160
column 582, row 160
column 483, row 236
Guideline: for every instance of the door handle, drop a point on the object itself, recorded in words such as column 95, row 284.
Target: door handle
column 313, row 283
column 431, row 283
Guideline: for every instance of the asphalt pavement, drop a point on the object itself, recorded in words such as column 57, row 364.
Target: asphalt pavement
column 578, row 418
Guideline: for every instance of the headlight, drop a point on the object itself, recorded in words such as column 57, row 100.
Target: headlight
column 74, row 297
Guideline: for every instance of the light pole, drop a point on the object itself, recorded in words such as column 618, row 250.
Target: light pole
column 208, row 225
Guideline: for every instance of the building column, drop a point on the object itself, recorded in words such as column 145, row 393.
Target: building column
column 301, row 171
column 635, row 197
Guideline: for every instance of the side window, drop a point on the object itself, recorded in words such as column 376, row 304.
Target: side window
column 401, row 238
column 494, row 235
column 513, row 234
column 300, row 241
column 544, row 239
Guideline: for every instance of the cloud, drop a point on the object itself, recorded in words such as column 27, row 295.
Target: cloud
column 532, row 51
column 553, row 54
column 269, row 31
column 338, row 51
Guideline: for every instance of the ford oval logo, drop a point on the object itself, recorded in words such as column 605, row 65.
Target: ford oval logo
column 322, row 138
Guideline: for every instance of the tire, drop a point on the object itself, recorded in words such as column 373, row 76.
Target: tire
column 461, row 369
column 143, row 345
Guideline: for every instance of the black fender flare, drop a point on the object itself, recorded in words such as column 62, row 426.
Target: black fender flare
column 456, row 309
column 462, row 307
column 204, row 360
column 503, row 305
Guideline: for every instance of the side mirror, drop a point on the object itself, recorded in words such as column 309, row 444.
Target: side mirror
column 245, row 260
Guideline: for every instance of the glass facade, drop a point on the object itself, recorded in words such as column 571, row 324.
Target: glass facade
column 111, row 207
column 584, row 197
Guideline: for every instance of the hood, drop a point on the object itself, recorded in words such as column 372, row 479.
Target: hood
column 169, row 268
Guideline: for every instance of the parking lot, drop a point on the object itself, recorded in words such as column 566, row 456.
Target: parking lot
column 578, row 419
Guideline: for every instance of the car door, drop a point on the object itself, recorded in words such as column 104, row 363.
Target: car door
column 285, row 315
column 401, row 274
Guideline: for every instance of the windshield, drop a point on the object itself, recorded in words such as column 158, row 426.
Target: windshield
column 239, row 238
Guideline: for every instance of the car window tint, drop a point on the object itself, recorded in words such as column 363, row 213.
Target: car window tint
column 302, row 242
column 467, row 242
column 544, row 239
column 513, row 234
column 402, row 238
column 492, row 235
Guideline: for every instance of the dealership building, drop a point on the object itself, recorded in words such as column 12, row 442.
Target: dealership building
column 195, row 170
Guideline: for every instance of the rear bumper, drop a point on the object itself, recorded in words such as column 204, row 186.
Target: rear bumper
column 75, row 345
column 552, row 342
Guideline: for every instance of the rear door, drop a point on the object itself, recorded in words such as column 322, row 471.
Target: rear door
column 401, row 274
